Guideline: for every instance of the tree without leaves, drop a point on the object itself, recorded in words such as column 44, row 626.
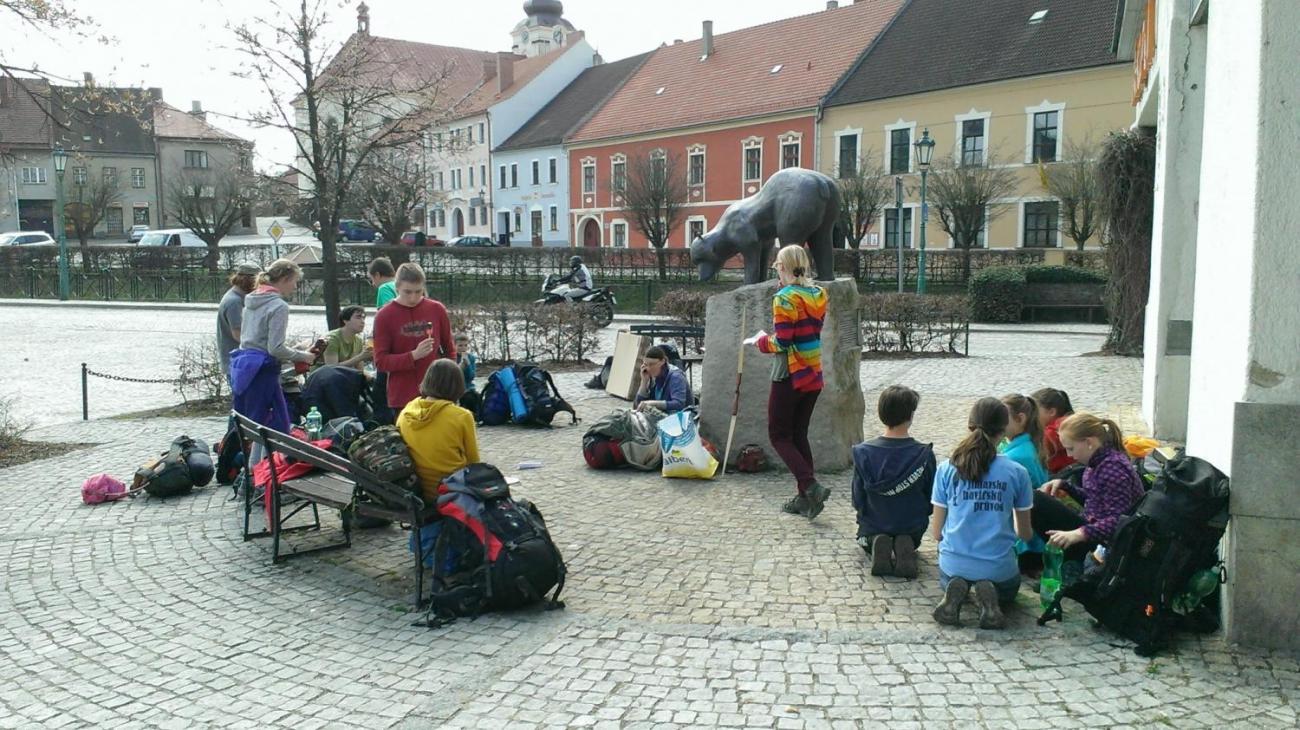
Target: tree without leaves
column 211, row 203
column 654, row 193
column 1076, row 184
column 389, row 189
column 86, row 204
column 863, row 193
column 1127, row 172
column 340, row 105
column 963, row 197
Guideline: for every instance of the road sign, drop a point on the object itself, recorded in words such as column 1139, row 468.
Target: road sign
column 275, row 232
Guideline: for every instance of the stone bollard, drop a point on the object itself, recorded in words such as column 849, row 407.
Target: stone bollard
column 837, row 422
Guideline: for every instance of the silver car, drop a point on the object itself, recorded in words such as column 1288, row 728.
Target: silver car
column 26, row 238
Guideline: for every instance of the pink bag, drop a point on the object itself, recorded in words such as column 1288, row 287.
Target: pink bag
column 102, row 488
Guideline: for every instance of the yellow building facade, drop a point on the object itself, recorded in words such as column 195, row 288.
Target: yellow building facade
column 1010, row 123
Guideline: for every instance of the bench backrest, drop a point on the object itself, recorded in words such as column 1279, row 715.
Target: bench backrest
column 277, row 441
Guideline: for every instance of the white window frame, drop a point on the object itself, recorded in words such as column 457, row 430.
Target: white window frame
column 1044, row 106
column 747, row 144
column 503, row 178
column 970, row 116
column 1020, row 218
column 482, row 132
column 33, row 175
column 614, row 161
column 518, row 226
column 984, row 232
column 912, row 240
column 553, row 170
column 686, row 228
column 789, row 138
column 536, row 169
column 847, row 132
column 589, row 162
column 702, row 151
column 137, row 181
column 505, row 225
column 911, row 146
column 514, row 175
column 80, row 176
column 471, row 176
column 626, row 233
column 553, row 218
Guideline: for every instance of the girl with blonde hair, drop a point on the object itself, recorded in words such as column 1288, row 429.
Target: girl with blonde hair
column 1109, row 489
column 255, row 366
column 798, row 311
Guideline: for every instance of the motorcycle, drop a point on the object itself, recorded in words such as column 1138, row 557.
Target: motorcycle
column 600, row 303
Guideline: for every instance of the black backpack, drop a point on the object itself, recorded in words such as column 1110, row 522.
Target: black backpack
column 493, row 551
column 541, row 397
column 1174, row 532
column 230, row 457
column 183, row 466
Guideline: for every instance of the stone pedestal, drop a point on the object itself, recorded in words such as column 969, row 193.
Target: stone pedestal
column 837, row 422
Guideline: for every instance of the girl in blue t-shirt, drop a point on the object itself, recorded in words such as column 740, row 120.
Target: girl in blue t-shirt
column 982, row 503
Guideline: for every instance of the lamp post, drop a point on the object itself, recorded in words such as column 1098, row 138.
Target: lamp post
column 924, row 151
column 60, row 164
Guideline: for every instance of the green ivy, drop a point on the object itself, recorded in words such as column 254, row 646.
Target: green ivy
column 997, row 294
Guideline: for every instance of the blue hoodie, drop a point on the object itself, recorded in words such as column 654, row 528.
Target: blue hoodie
column 892, row 481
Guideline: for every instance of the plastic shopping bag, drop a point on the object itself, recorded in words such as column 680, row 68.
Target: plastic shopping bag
column 684, row 452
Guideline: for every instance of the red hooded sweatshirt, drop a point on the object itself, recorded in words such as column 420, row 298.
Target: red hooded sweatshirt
column 398, row 330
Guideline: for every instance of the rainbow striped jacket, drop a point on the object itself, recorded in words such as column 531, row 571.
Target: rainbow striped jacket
column 797, row 316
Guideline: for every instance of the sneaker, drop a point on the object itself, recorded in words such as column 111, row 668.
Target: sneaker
column 817, row 495
column 797, row 505
column 986, row 597
column 904, row 557
column 882, row 555
column 948, row 612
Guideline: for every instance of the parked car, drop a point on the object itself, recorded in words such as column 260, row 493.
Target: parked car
column 172, row 237
column 414, row 238
column 137, row 232
column 26, row 238
column 472, row 241
column 352, row 230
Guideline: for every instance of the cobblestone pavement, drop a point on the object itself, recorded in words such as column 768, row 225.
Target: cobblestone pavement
column 690, row 604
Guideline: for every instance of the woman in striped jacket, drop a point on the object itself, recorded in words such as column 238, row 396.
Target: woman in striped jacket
column 798, row 310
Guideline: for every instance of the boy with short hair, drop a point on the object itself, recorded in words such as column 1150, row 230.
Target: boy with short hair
column 893, row 476
column 381, row 277
column 409, row 336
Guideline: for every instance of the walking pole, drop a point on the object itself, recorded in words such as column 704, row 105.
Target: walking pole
column 735, row 403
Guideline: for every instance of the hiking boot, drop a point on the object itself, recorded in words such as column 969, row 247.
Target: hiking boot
column 797, row 505
column 948, row 612
column 904, row 557
column 986, row 597
column 817, row 495
column 882, row 555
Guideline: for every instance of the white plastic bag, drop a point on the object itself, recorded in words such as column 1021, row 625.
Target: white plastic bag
column 684, row 454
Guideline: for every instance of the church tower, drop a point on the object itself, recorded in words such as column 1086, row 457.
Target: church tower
column 543, row 30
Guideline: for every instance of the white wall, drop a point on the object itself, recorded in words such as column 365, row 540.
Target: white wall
column 510, row 115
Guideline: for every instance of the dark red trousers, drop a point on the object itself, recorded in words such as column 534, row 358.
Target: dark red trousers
column 788, row 414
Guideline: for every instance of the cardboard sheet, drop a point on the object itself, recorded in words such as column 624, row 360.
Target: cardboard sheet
column 625, row 372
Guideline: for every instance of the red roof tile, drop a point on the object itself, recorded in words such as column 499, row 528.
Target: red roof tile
column 737, row 80
column 170, row 122
column 525, row 70
column 409, row 66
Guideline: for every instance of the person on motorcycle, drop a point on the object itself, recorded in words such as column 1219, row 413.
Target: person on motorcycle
column 579, row 279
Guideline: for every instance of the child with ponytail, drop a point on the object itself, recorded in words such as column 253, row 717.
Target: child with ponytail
column 981, row 505
column 1053, row 408
column 1109, row 489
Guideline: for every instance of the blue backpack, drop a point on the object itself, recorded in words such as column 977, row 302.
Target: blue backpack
column 524, row 394
column 503, row 401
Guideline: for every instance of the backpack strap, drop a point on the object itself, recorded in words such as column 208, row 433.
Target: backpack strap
column 560, row 403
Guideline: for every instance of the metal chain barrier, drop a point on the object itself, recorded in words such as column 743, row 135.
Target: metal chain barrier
column 85, row 378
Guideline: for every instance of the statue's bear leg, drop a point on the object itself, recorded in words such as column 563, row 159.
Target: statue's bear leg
column 823, row 251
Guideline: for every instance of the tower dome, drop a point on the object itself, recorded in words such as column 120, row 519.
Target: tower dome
column 543, row 30
column 544, row 10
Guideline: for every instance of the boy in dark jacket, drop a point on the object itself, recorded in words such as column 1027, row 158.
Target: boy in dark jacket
column 893, row 476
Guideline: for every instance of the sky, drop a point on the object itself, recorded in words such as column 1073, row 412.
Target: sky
column 186, row 46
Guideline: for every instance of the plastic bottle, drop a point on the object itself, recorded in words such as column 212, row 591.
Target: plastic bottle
column 1201, row 584
column 313, row 424
column 1050, row 581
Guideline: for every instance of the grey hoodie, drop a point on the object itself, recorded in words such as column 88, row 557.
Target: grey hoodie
column 266, row 318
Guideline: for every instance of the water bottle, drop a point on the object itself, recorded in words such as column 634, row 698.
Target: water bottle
column 313, row 424
column 1201, row 584
column 1049, row 583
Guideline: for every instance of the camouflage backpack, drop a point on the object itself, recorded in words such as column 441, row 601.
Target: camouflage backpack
column 383, row 453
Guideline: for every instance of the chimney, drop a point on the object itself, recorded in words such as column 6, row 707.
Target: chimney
column 832, row 4
column 505, row 71
column 489, row 69
column 88, row 78
column 708, row 38
column 196, row 110
column 597, row 59
column 677, row 41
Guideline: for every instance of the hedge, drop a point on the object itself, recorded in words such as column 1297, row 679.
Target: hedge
column 997, row 293
column 913, row 324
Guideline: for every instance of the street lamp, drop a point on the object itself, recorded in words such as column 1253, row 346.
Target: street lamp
column 60, row 164
column 924, row 152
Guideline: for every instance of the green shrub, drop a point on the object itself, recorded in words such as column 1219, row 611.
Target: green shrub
column 1045, row 274
column 997, row 294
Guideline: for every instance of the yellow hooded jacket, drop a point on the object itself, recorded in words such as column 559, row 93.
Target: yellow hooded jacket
column 441, row 438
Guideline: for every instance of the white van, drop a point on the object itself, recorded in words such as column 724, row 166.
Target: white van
column 172, row 237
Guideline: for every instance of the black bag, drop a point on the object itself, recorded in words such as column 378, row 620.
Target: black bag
column 601, row 379
column 493, row 551
column 230, row 457
column 541, row 397
column 383, row 453
column 1173, row 533
column 187, row 464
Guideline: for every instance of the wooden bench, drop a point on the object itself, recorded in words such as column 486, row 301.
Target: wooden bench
column 337, row 483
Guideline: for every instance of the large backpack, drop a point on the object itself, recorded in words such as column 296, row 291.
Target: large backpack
column 502, row 398
column 383, row 453
column 493, row 551
column 183, row 466
column 542, row 399
column 1173, row 533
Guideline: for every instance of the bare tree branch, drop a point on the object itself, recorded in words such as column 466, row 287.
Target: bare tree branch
column 211, row 202
column 963, row 197
column 654, row 192
column 1075, row 183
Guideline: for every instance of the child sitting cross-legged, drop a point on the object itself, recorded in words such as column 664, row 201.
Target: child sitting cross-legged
column 982, row 503
column 892, row 478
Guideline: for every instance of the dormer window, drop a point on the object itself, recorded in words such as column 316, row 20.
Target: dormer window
column 777, row 68
column 661, row 90
column 1037, row 17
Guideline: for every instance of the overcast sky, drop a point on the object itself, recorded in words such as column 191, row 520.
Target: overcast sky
column 186, row 48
